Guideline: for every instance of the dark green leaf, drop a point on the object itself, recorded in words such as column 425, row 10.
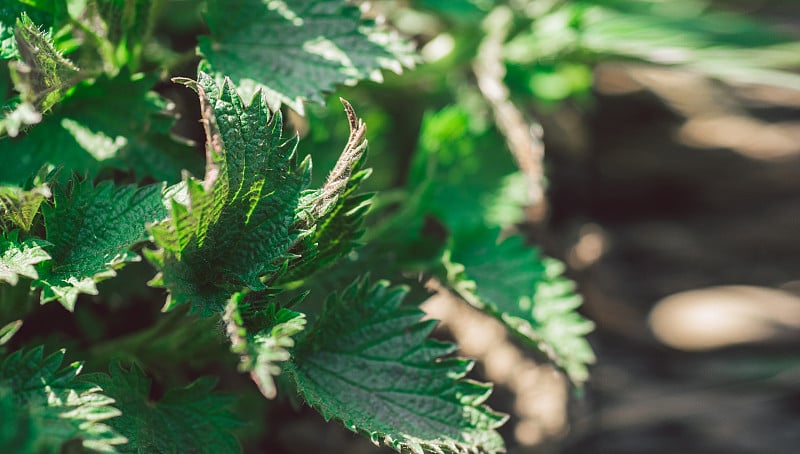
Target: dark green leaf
column 234, row 227
column 526, row 291
column 112, row 123
column 43, row 406
column 189, row 419
column 368, row 363
column 296, row 50
column 92, row 230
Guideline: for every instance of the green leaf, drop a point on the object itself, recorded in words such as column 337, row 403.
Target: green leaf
column 41, row 76
column 261, row 352
column 234, row 227
column 114, row 31
column 464, row 175
column 17, row 258
column 19, row 207
column 116, row 123
column 44, row 406
column 296, row 50
column 8, row 330
column 189, row 419
column 10, row 11
column 334, row 213
column 525, row 291
column 368, row 363
column 92, row 230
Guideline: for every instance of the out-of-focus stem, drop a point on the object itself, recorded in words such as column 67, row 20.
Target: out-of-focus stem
column 523, row 134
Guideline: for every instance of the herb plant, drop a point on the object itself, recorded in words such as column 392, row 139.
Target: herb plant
column 308, row 283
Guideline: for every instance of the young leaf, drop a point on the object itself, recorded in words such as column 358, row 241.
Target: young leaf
column 44, row 406
column 189, row 419
column 526, row 292
column 334, row 213
column 296, row 50
column 19, row 207
column 92, row 230
column 368, row 363
column 17, row 258
column 236, row 225
column 261, row 352
column 9, row 13
column 42, row 74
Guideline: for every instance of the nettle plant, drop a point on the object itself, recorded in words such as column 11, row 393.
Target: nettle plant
column 263, row 270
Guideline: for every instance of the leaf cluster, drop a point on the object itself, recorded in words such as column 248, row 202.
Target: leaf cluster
column 257, row 260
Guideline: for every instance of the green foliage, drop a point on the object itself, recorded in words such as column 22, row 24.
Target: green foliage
column 296, row 50
column 19, row 257
column 260, row 266
column 92, row 230
column 41, row 75
column 261, row 352
column 236, row 225
column 113, row 123
column 367, row 362
column 191, row 418
column 43, row 406
column 526, row 292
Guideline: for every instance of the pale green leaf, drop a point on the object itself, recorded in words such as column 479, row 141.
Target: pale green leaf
column 43, row 406
column 8, row 330
column 18, row 257
column 19, row 207
column 261, row 352
column 367, row 362
column 463, row 173
column 296, row 50
column 92, row 230
column 189, row 419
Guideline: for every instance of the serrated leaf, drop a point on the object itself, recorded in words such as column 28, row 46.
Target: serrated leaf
column 116, row 123
column 19, row 207
column 334, row 213
column 261, row 352
column 92, row 230
column 296, row 50
column 189, row 419
column 525, row 291
column 236, row 225
column 9, row 13
column 43, row 406
column 41, row 75
column 368, row 363
column 18, row 257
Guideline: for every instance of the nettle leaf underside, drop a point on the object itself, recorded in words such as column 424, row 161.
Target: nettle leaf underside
column 368, row 363
column 262, row 351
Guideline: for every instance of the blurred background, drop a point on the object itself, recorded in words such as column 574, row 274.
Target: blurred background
column 661, row 145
